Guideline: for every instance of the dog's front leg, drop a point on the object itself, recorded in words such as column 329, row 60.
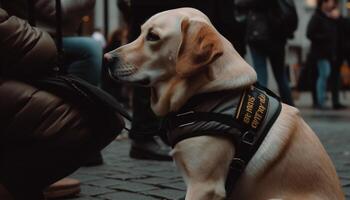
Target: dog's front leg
column 204, row 162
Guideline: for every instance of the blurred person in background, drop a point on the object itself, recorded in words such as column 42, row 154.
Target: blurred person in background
column 266, row 35
column 343, row 54
column 323, row 33
column 145, row 125
column 346, row 39
column 82, row 55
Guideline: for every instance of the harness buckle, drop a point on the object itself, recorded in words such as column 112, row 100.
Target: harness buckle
column 249, row 138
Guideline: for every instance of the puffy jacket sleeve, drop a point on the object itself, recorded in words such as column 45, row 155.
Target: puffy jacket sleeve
column 23, row 48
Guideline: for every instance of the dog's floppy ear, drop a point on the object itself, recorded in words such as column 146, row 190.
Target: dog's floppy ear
column 200, row 46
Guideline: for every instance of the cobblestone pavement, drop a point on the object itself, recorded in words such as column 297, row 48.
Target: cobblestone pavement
column 122, row 178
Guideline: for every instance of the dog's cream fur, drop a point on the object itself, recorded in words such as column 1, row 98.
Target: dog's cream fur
column 179, row 54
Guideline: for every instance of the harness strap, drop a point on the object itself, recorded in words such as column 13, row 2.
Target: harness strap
column 180, row 120
column 191, row 117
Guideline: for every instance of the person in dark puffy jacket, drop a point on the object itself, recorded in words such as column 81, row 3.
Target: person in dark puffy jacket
column 322, row 31
column 43, row 138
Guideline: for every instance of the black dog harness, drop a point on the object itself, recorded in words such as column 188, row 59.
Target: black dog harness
column 245, row 116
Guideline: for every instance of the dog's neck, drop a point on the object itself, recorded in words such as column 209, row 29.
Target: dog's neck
column 228, row 72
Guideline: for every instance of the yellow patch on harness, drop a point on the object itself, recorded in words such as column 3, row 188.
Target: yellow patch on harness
column 253, row 108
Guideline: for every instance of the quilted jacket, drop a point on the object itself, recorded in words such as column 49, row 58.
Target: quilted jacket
column 43, row 138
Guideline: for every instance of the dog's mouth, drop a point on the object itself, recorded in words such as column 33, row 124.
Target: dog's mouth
column 120, row 71
column 124, row 71
column 125, row 75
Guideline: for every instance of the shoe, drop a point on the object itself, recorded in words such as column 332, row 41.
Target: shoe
column 94, row 160
column 150, row 149
column 66, row 187
column 339, row 107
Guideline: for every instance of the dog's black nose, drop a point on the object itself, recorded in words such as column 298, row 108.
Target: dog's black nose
column 111, row 62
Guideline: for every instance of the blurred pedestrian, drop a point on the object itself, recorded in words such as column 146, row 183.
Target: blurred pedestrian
column 308, row 78
column 323, row 33
column 82, row 55
column 343, row 48
column 346, row 39
column 268, row 28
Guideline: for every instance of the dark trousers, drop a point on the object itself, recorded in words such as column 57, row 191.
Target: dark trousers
column 308, row 78
column 313, row 79
column 335, row 81
column 145, row 123
column 335, row 78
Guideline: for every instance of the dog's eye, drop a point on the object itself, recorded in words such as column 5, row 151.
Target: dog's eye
column 152, row 36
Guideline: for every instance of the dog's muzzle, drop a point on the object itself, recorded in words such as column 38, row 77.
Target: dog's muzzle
column 122, row 72
column 117, row 69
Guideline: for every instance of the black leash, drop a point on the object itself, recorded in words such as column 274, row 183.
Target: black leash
column 59, row 43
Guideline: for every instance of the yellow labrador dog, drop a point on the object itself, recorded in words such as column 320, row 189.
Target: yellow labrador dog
column 179, row 54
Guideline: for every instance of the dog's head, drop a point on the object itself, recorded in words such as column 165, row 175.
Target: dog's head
column 177, row 42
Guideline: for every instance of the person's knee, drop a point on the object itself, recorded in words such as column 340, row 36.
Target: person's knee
column 83, row 47
column 91, row 47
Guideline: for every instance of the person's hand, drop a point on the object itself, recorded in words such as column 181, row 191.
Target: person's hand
column 334, row 14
